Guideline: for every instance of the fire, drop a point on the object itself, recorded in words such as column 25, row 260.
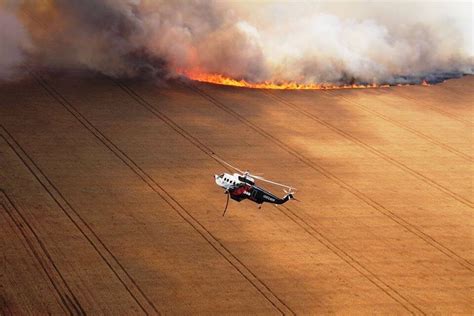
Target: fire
column 223, row 80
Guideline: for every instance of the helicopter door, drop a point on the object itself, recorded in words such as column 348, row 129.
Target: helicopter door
column 254, row 195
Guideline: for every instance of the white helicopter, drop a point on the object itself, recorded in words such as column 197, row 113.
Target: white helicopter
column 240, row 186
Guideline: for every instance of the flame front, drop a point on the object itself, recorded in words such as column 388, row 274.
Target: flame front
column 288, row 85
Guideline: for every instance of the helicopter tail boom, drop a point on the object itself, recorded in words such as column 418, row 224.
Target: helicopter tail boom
column 285, row 199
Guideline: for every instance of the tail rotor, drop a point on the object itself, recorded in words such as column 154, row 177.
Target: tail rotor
column 290, row 194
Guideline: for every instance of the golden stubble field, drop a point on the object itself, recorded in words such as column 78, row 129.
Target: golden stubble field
column 108, row 204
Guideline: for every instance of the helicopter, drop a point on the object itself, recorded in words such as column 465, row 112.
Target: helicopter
column 240, row 186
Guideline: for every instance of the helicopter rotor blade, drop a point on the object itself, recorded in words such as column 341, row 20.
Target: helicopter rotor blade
column 273, row 182
column 226, row 204
column 228, row 164
column 247, row 173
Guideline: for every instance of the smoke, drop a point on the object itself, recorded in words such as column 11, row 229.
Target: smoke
column 13, row 42
column 367, row 42
column 306, row 42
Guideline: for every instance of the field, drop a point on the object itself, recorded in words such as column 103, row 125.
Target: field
column 108, row 202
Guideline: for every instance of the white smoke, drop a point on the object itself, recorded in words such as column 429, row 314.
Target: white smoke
column 310, row 42
column 13, row 43
column 371, row 42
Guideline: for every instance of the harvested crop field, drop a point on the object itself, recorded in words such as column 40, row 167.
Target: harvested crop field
column 108, row 202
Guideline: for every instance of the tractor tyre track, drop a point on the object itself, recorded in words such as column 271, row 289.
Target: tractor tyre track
column 351, row 261
column 358, row 194
column 445, row 113
column 308, row 228
column 83, row 227
column 408, row 129
column 127, row 280
column 67, row 299
column 375, row 151
column 214, row 242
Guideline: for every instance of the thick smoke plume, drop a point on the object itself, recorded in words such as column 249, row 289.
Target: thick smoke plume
column 305, row 42
column 13, row 42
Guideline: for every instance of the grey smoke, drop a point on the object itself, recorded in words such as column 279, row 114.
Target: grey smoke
column 14, row 41
column 304, row 42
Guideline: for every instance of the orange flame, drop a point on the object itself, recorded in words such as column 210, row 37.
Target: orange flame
column 290, row 85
